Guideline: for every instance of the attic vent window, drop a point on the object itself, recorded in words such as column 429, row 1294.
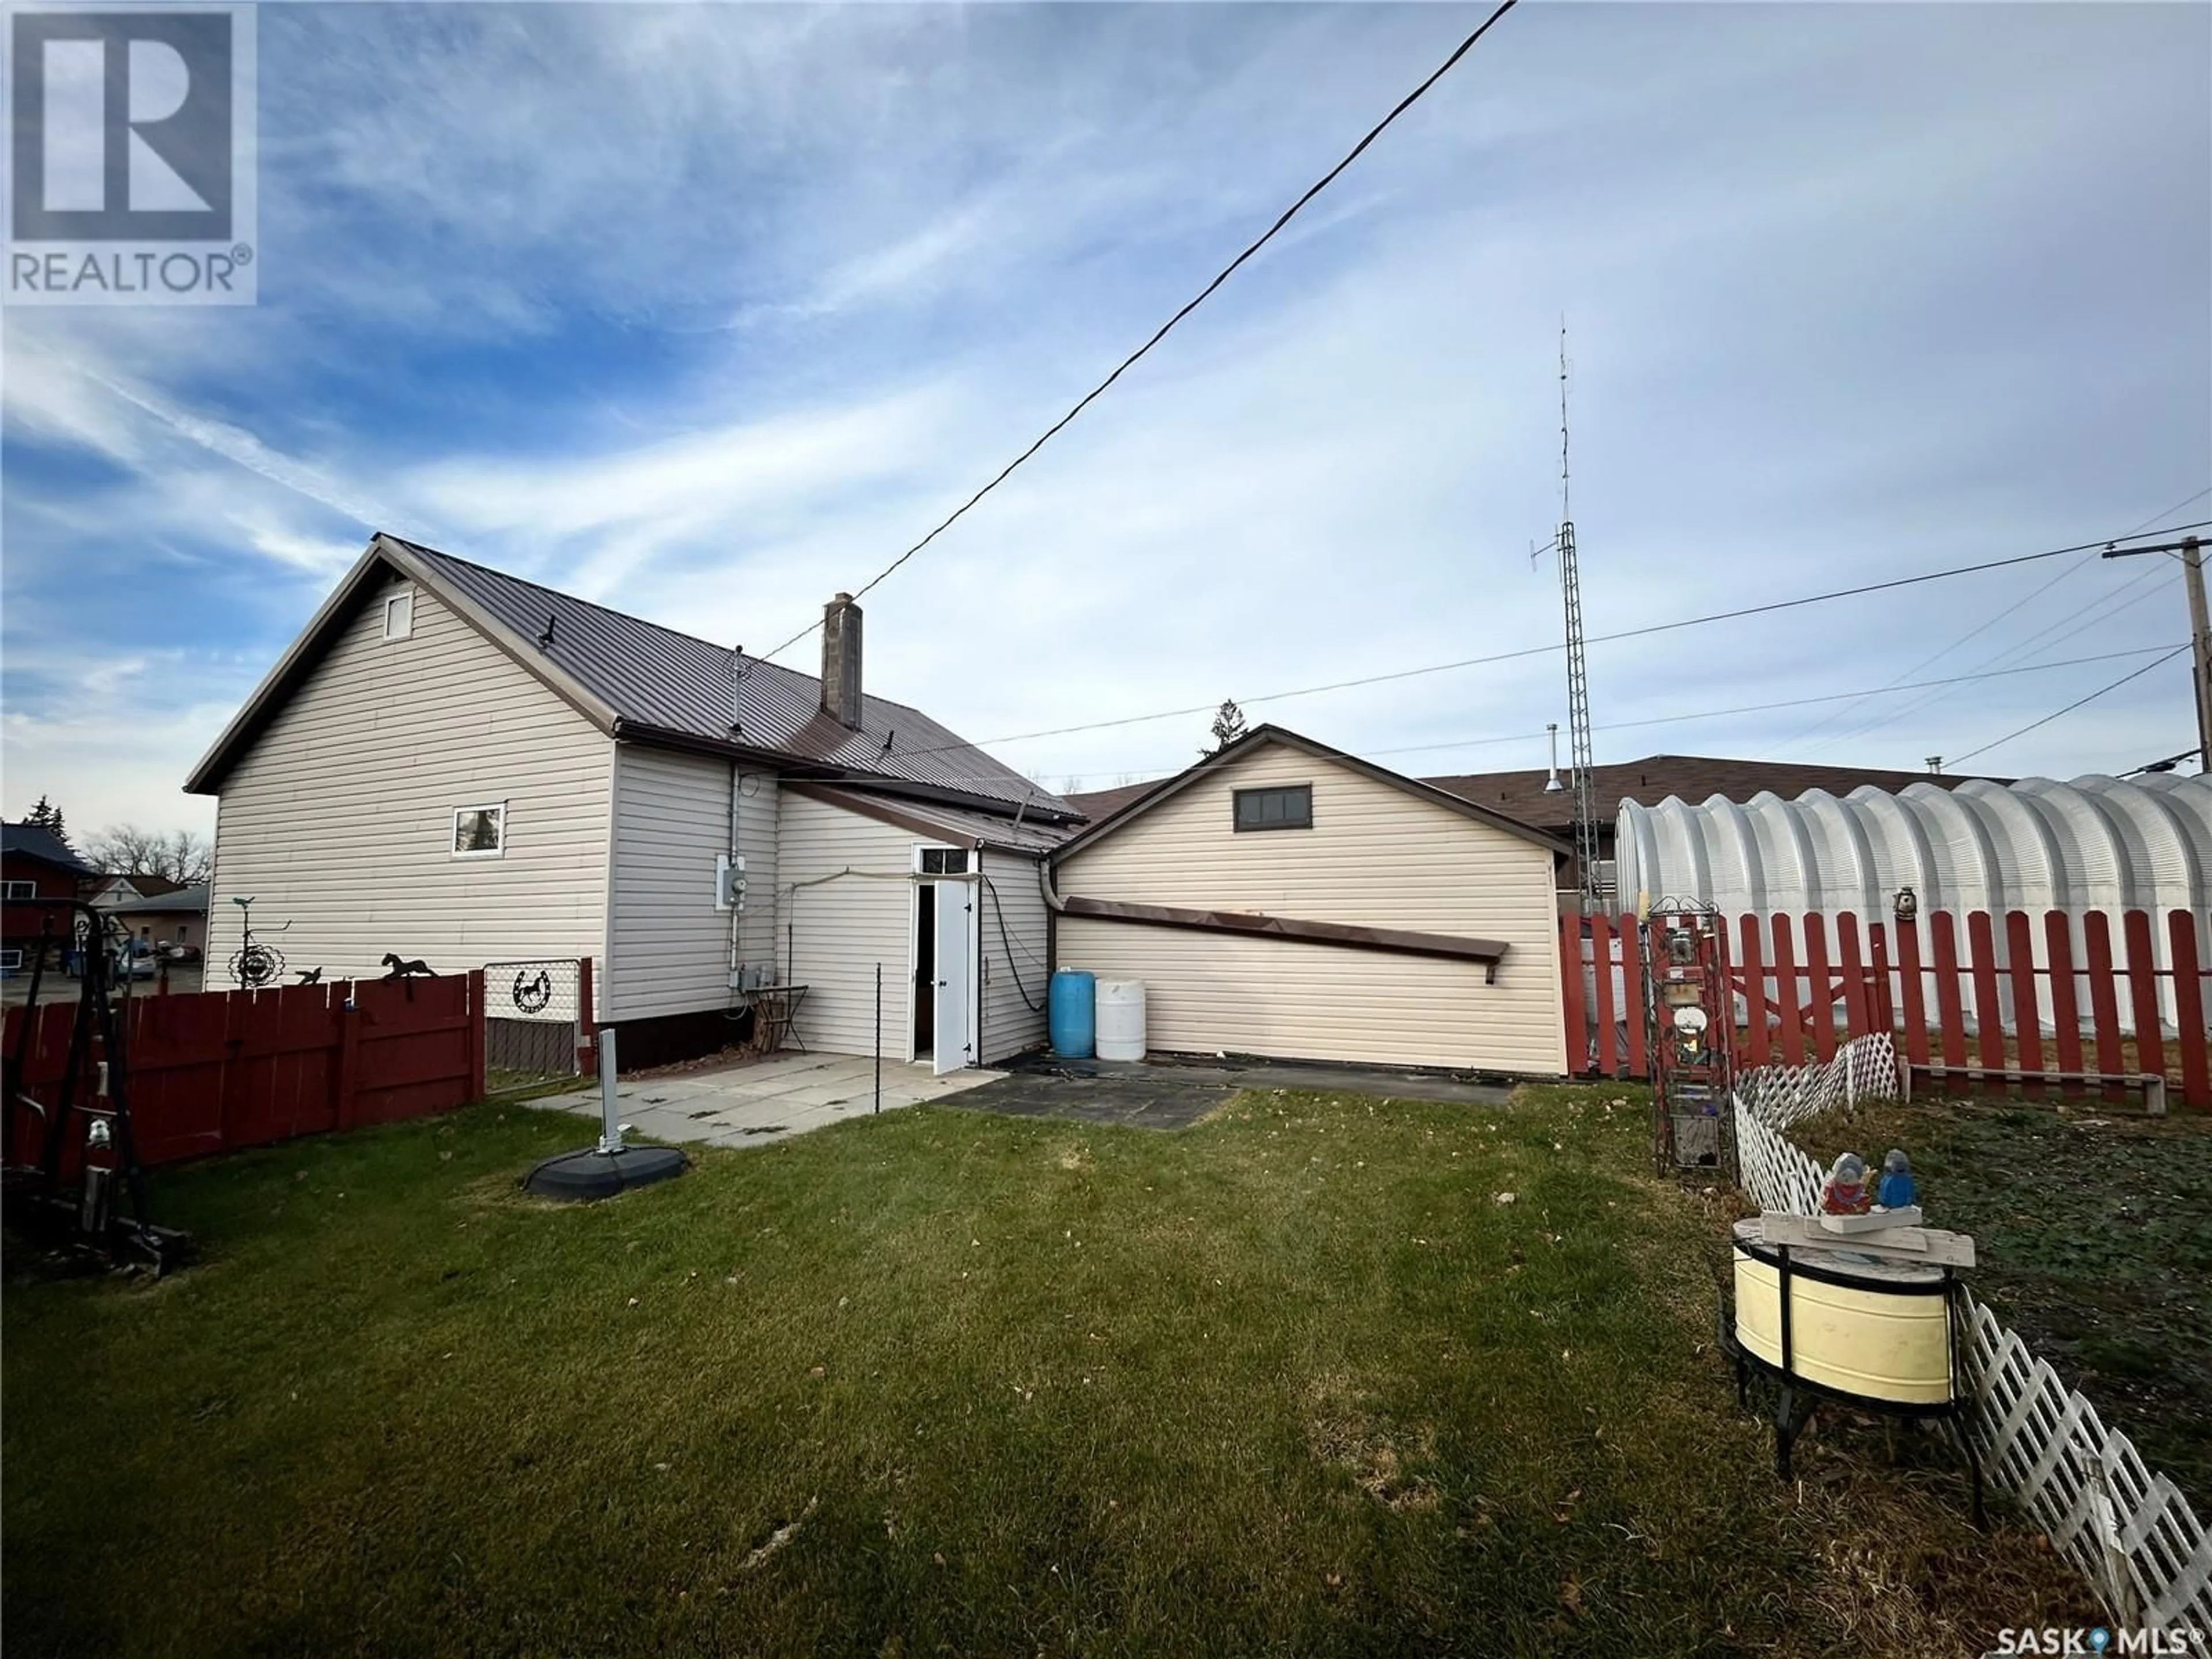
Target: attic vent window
column 1290, row 808
column 400, row 614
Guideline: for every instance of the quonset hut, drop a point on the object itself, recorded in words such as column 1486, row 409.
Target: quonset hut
column 2095, row 844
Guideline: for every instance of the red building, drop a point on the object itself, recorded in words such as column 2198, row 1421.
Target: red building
column 34, row 864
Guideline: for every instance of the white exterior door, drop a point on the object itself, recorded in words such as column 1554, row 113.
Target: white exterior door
column 953, row 1013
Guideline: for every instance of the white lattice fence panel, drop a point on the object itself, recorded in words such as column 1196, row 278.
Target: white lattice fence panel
column 2131, row 1534
column 1775, row 1175
column 2127, row 1528
column 1865, row 1068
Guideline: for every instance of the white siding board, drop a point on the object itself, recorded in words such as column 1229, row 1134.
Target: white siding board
column 670, row 948
column 342, row 817
column 339, row 818
column 844, row 904
column 1010, row 1026
column 1376, row 856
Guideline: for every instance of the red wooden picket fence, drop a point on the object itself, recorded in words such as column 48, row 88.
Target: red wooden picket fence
column 217, row 1070
column 2020, row 991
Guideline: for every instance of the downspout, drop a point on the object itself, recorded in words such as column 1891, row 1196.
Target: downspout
column 737, row 900
column 1053, row 901
column 737, row 839
column 1053, row 906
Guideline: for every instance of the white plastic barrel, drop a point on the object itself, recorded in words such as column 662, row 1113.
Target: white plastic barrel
column 1121, row 1004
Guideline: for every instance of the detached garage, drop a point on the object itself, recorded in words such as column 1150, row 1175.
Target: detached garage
column 1286, row 899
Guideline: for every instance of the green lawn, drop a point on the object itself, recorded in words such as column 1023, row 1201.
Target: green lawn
column 1291, row 1381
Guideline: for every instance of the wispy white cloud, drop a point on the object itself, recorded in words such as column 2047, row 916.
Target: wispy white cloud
column 1835, row 277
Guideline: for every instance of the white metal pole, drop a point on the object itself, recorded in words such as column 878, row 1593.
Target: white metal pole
column 610, row 1118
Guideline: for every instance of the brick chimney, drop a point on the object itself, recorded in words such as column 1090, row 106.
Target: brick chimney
column 840, row 659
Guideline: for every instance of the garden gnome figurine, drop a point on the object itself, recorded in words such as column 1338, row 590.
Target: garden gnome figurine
column 1844, row 1192
column 1897, row 1191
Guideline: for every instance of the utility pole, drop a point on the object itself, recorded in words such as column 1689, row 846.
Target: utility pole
column 2191, row 550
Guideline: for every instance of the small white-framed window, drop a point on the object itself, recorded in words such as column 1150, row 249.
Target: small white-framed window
column 400, row 614
column 19, row 889
column 480, row 832
column 10, row 960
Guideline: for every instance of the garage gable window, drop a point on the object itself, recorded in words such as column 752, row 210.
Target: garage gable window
column 1289, row 808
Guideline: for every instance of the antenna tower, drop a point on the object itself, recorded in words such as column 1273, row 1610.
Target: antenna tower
column 1578, row 709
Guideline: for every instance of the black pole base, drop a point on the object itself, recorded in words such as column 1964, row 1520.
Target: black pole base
column 588, row 1173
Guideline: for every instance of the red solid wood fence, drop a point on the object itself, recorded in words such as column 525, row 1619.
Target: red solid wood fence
column 217, row 1070
column 2011, row 992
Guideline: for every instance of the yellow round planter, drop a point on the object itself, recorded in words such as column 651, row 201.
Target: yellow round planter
column 1874, row 1329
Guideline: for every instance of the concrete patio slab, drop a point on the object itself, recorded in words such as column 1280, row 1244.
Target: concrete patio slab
column 1173, row 1094
column 765, row 1100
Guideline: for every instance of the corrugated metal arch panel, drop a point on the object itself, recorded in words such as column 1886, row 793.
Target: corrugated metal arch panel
column 1734, row 829
column 1894, row 826
column 2027, row 870
column 2169, row 874
column 2189, row 801
column 2097, row 855
column 1965, row 850
column 2094, row 844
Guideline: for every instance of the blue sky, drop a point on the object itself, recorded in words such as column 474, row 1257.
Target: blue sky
column 708, row 311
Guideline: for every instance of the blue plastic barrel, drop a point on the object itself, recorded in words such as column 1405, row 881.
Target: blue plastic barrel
column 1073, row 1016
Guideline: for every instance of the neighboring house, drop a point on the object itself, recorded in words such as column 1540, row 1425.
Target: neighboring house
column 109, row 891
column 175, row 915
column 1282, row 898
column 34, row 864
column 119, row 889
column 456, row 765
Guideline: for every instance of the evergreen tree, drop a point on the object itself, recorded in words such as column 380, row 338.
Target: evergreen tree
column 48, row 817
column 1228, row 726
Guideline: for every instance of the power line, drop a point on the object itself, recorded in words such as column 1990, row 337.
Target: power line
column 1713, row 713
column 1793, row 703
column 1975, row 633
column 2100, row 610
column 1595, row 638
column 1161, row 333
column 1525, row 651
column 1954, row 760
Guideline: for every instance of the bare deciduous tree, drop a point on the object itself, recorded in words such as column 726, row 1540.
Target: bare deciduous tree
column 125, row 849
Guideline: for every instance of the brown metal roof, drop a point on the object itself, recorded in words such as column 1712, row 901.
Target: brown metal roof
column 955, row 825
column 1096, row 804
column 646, row 682
column 1694, row 778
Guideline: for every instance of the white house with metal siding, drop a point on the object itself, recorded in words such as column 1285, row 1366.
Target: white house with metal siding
column 1282, row 898
column 337, row 820
column 455, row 765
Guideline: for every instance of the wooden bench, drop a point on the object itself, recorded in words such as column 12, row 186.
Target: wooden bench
column 2152, row 1086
